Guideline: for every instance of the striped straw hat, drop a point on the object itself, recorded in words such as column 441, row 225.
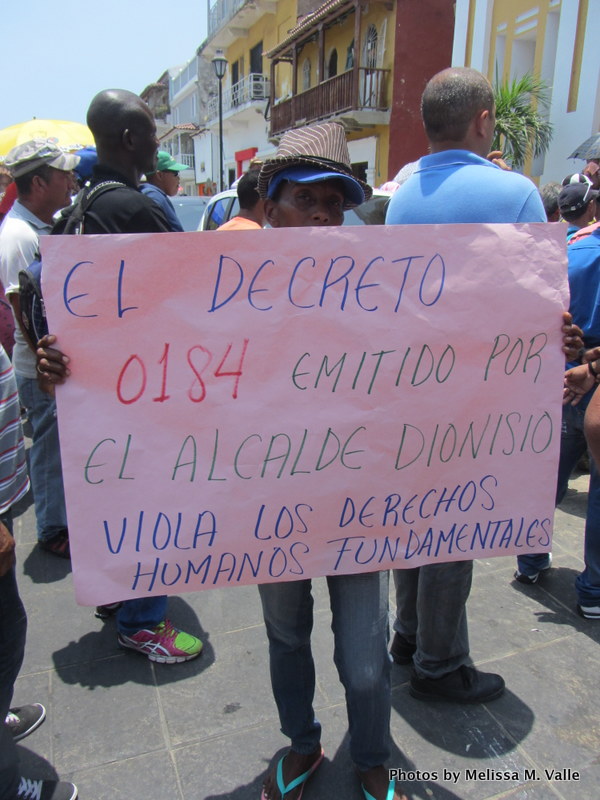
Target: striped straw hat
column 322, row 147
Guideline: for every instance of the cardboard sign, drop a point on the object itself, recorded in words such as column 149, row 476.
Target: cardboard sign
column 261, row 406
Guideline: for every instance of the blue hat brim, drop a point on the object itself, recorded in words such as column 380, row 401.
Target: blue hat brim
column 353, row 191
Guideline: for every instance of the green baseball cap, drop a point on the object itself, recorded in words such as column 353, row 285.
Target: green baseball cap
column 166, row 163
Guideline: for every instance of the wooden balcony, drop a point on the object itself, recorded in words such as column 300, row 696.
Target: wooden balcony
column 333, row 97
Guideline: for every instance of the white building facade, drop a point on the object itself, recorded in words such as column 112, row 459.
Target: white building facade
column 552, row 39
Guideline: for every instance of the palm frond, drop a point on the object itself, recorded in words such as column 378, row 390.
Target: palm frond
column 521, row 130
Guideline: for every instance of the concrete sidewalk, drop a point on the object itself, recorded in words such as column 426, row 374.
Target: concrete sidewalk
column 123, row 728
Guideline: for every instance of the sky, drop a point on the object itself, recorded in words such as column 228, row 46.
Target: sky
column 57, row 56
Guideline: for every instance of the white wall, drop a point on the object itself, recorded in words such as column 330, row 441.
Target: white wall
column 241, row 134
column 206, row 157
column 481, row 34
column 572, row 128
column 365, row 150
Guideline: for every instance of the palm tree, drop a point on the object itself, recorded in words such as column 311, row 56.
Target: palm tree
column 521, row 130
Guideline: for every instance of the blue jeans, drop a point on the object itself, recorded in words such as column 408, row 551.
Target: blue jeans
column 572, row 447
column 431, row 613
column 145, row 612
column 45, row 471
column 13, row 627
column 359, row 623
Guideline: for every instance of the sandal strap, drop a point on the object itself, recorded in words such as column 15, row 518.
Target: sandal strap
column 390, row 792
column 283, row 789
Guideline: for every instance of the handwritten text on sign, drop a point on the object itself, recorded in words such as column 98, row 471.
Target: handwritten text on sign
column 255, row 406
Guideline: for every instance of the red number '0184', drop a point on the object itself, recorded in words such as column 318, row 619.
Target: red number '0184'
column 132, row 382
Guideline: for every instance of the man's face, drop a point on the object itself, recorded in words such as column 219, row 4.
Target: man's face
column 169, row 181
column 592, row 170
column 57, row 189
column 146, row 143
column 304, row 204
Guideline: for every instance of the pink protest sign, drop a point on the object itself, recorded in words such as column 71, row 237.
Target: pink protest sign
column 256, row 406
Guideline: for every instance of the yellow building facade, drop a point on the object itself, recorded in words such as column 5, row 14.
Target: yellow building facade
column 336, row 63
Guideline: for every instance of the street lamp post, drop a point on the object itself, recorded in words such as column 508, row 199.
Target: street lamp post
column 219, row 63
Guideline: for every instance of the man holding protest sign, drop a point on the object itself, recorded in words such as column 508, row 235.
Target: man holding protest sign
column 455, row 183
column 309, row 182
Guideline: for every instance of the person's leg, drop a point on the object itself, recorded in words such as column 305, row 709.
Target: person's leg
column 45, row 470
column 359, row 606
column 442, row 636
column 588, row 583
column 572, row 447
column 288, row 615
column 406, row 583
column 146, row 612
column 442, row 669
column 13, row 627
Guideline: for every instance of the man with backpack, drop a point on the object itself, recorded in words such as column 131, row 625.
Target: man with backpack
column 42, row 173
column 125, row 135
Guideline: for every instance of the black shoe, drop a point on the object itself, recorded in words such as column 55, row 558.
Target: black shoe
column 402, row 651
column 463, row 685
column 46, row 790
column 58, row 545
column 107, row 611
column 24, row 720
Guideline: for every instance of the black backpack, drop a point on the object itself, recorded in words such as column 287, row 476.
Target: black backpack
column 33, row 313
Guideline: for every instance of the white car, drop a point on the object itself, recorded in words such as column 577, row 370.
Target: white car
column 223, row 206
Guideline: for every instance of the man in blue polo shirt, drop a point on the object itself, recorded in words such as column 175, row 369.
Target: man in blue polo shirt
column 455, row 183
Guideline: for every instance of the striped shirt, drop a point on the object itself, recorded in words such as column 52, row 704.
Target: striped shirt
column 14, row 481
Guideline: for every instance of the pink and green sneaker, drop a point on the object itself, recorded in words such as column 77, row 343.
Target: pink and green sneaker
column 165, row 643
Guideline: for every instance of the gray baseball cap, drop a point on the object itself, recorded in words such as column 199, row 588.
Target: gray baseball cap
column 30, row 155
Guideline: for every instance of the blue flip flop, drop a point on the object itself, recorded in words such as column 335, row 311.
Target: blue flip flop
column 283, row 789
column 389, row 795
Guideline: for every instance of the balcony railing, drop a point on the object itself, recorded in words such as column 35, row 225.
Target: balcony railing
column 221, row 12
column 186, row 158
column 187, row 74
column 333, row 96
column 252, row 87
column 183, row 158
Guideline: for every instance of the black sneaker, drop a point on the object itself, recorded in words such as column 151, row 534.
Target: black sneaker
column 463, row 685
column 402, row 651
column 24, row 720
column 521, row 577
column 46, row 790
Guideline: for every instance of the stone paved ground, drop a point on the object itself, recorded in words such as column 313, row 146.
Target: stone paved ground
column 125, row 729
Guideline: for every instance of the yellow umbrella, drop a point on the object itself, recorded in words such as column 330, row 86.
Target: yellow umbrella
column 70, row 135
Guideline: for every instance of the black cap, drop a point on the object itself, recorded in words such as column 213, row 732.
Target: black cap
column 575, row 197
